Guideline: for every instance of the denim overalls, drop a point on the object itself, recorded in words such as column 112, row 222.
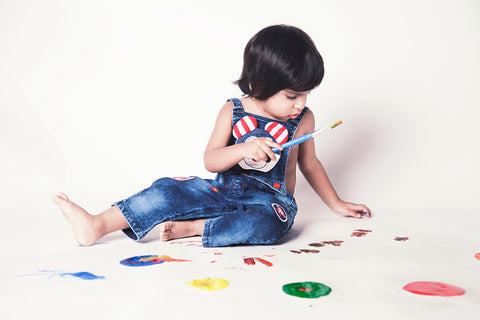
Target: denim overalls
column 241, row 206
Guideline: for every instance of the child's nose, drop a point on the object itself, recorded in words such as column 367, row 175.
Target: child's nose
column 299, row 106
column 300, row 103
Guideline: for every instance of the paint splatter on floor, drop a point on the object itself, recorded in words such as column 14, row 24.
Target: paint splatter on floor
column 209, row 284
column 305, row 251
column 81, row 275
column 251, row 261
column 235, row 268
column 140, row 261
column 189, row 243
column 265, row 262
column 360, row 232
column 148, row 260
column 335, row 243
column 306, row 289
column 477, row 256
column 434, row 289
column 401, row 238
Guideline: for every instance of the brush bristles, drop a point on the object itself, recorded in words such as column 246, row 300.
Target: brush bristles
column 335, row 124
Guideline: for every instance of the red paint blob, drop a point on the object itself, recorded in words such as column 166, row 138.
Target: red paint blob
column 265, row 262
column 433, row 289
column 251, row 261
column 277, row 185
column 304, row 289
column 477, row 256
column 360, row 232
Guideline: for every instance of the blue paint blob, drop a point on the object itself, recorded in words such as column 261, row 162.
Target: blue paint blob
column 140, row 261
column 82, row 275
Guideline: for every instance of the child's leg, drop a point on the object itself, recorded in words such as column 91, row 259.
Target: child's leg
column 88, row 228
column 171, row 230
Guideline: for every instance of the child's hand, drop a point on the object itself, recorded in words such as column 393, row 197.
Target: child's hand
column 260, row 149
column 349, row 209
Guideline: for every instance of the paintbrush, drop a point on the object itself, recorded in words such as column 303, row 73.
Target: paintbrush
column 308, row 136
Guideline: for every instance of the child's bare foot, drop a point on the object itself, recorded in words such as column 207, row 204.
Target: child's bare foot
column 171, row 230
column 85, row 228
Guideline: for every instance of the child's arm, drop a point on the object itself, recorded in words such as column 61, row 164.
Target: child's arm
column 316, row 176
column 220, row 157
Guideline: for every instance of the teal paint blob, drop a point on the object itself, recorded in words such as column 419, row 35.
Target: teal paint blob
column 82, row 275
column 306, row 289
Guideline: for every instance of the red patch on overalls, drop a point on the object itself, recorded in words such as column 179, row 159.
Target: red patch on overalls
column 244, row 126
column 277, row 131
column 281, row 214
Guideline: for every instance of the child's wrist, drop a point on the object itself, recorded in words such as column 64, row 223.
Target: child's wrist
column 333, row 205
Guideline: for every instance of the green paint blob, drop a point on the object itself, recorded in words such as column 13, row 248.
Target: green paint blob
column 306, row 289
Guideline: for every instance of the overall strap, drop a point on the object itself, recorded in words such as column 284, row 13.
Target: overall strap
column 238, row 111
column 297, row 120
column 237, row 104
column 294, row 122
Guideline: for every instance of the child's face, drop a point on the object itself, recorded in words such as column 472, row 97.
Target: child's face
column 285, row 104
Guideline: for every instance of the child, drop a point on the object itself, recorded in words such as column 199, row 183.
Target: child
column 251, row 199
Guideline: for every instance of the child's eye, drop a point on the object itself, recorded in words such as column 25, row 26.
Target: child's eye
column 292, row 97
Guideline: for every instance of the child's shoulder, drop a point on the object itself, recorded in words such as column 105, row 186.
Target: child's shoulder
column 307, row 124
column 226, row 109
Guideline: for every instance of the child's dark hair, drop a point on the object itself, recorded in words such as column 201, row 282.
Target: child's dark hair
column 280, row 57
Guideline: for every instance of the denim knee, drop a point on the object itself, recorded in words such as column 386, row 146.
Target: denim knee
column 252, row 224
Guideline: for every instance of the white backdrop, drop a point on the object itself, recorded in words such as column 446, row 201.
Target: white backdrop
column 100, row 98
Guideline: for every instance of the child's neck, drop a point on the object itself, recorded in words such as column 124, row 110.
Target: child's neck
column 254, row 106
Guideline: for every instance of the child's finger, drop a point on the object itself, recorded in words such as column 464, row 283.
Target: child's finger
column 276, row 145
column 349, row 212
column 365, row 211
column 365, row 214
column 360, row 211
column 356, row 214
column 267, row 149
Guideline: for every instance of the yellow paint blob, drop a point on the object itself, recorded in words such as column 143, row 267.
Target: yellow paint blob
column 208, row 284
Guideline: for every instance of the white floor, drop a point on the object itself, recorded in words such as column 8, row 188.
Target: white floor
column 366, row 274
